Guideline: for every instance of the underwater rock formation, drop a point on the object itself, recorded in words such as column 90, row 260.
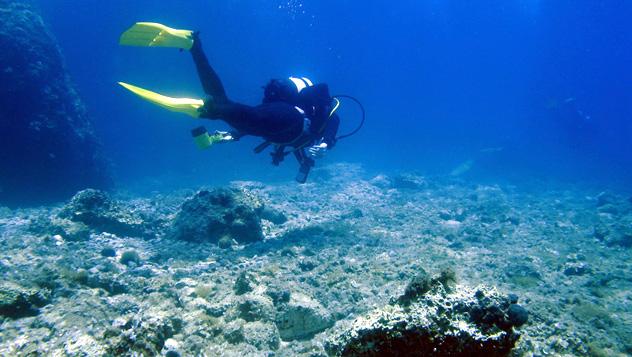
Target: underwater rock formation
column 98, row 211
column 435, row 318
column 144, row 334
column 107, row 294
column 17, row 301
column 49, row 149
column 211, row 215
column 423, row 282
column 301, row 318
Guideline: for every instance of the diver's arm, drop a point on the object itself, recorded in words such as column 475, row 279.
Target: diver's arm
column 328, row 140
column 331, row 130
column 210, row 80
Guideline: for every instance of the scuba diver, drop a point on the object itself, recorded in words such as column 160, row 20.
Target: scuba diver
column 295, row 113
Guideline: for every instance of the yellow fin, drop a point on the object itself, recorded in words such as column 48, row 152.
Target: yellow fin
column 187, row 106
column 152, row 34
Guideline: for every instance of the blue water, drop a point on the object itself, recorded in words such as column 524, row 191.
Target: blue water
column 526, row 90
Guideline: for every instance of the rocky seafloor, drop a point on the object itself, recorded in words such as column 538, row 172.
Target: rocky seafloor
column 347, row 264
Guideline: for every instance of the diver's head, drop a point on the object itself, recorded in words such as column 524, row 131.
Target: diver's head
column 285, row 90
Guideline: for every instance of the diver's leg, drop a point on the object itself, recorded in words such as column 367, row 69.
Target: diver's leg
column 277, row 122
column 210, row 80
column 305, row 163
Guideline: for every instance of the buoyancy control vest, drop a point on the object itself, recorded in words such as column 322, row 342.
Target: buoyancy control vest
column 311, row 100
column 316, row 105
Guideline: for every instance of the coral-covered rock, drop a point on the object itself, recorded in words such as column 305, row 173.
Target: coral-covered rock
column 278, row 294
column 17, row 301
column 264, row 336
column 301, row 318
column 422, row 282
column 144, row 334
column 48, row 142
column 576, row 268
column 255, row 307
column 437, row 322
column 274, row 216
column 244, row 283
column 98, row 211
column 67, row 229
column 211, row 215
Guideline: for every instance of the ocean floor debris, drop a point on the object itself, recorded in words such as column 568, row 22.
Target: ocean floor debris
column 330, row 271
column 217, row 214
column 435, row 319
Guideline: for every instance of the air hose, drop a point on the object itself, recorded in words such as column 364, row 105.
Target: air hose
column 282, row 154
column 354, row 131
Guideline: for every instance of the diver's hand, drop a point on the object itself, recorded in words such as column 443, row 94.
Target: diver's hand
column 317, row 151
column 223, row 136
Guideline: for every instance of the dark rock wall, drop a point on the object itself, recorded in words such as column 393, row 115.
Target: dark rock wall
column 48, row 149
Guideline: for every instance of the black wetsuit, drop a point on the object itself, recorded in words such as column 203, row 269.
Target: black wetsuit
column 278, row 122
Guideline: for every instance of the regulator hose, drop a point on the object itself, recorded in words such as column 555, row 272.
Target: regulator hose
column 354, row 131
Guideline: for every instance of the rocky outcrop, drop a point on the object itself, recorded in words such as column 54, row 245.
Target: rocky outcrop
column 98, row 211
column 435, row 318
column 211, row 215
column 301, row 318
column 48, row 148
column 143, row 334
column 18, row 301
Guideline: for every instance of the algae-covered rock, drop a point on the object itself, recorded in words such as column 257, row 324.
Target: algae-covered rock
column 576, row 268
column 97, row 210
column 301, row 318
column 17, row 301
column 67, row 229
column 226, row 242
column 457, row 322
column 234, row 332
column 130, row 256
column 422, row 282
column 274, row 216
column 517, row 315
column 108, row 252
column 254, row 307
column 278, row 294
column 244, row 283
column 144, row 334
column 49, row 149
column 264, row 336
column 108, row 282
column 211, row 215
column 84, row 345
